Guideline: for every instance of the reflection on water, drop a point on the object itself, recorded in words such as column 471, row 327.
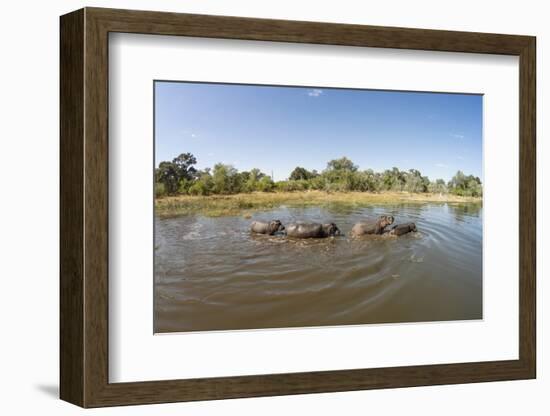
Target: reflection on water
column 212, row 274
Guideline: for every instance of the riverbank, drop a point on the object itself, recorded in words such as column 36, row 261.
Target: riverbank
column 246, row 204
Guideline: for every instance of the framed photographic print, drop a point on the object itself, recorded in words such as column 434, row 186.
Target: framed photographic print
column 255, row 207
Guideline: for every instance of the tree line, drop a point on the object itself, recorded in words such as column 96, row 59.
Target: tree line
column 341, row 175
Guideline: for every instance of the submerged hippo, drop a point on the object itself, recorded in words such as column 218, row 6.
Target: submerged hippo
column 377, row 226
column 270, row 227
column 401, row 229
column 312, row 230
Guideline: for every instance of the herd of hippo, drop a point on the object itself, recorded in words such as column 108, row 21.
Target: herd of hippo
column 382, row 225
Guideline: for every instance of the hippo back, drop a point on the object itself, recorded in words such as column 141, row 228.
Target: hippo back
column 305, row 230
column 259, row 227
column 377, row 226
column 369, row 227
column 402, row 229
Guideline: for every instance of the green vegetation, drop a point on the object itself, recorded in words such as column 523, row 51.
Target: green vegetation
column 247, row 204
column 181, row 189
column 179, row 177
column 176, row 174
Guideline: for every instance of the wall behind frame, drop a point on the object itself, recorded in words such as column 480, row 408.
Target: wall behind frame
column 29, row 167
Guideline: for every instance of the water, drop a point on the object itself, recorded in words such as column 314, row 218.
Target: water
column 212, row 274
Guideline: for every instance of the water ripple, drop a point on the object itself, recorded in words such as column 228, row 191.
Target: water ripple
column 211, row 273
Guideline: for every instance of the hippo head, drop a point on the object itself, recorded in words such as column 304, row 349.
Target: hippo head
column 385, row 220
column 331, row 229
column 412, row 225
column 275, row 226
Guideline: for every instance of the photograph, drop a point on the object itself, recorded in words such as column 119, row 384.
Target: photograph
column 279, row 206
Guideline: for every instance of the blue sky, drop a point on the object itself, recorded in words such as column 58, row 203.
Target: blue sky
column 276, row 129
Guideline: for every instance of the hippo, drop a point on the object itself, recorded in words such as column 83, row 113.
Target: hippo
column 312, row 230
column 372, row 227
column 400, row 229
column 270, row 227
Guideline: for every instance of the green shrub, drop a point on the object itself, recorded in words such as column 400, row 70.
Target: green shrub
column 340, row 175
column 159, row 190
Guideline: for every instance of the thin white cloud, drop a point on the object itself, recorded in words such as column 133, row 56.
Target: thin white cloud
column 457, row 136
column 315, row 92
column 233, row 163
column 460, row 158
column 188, row 133
column 441, row 165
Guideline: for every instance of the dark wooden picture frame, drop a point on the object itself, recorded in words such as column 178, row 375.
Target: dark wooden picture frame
column 84, row 207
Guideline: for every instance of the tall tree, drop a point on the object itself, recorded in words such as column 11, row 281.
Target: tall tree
column 226, row 179
column 184, row 165
column 300, row 173
column 167, row 174
column 342, row 164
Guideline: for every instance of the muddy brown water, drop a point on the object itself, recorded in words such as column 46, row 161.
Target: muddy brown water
column 212, row 274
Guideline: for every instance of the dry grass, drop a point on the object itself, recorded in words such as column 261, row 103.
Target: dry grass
column 246, row 204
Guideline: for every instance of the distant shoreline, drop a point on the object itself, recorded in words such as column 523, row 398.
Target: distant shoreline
column 246, row 204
